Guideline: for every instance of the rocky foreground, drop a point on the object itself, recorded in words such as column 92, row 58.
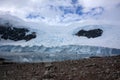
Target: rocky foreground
column 95, row 68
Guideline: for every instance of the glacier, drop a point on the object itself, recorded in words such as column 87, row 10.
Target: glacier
column 64, row 34
column 49, row 54
column 58, row 42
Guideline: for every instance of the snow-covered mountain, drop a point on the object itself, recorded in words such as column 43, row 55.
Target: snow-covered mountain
column 54, row 35
column 60, row 42
column 11, row 29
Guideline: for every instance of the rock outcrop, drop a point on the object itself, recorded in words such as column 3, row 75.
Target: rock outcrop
column 7, row 31
column 90, row 33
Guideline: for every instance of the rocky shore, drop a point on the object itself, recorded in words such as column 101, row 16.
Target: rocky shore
column 95, row 68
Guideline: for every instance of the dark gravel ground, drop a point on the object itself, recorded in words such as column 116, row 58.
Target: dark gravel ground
column 107, row 68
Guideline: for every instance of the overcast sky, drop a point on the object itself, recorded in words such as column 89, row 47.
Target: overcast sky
column 62, row 11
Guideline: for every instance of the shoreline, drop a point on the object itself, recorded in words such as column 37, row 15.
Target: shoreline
column 94, row 68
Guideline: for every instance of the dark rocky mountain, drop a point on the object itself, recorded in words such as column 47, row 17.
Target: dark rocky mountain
column 90, row 33
column 7, row 31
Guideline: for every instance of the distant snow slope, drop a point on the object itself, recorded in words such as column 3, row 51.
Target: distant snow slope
column 58, row 35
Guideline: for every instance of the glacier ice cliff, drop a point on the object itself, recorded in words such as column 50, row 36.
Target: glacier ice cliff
column 48, row 54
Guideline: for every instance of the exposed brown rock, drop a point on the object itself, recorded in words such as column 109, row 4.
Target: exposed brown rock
column 106, row 68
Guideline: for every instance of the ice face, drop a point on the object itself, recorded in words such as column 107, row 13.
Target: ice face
column 47, row 54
